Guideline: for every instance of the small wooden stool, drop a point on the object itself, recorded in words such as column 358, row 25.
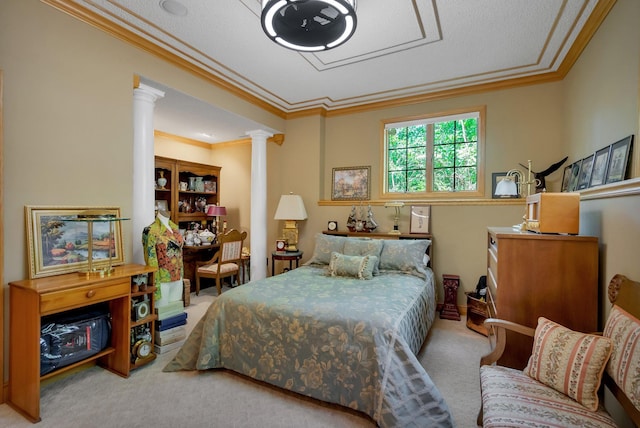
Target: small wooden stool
column 450, row 309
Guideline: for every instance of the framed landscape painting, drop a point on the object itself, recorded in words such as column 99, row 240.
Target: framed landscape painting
column 351, row 183
column 57, row 239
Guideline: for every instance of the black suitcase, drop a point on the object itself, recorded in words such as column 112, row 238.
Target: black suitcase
column 72, row 336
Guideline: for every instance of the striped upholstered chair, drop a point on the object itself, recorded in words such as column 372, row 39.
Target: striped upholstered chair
column 225, row 262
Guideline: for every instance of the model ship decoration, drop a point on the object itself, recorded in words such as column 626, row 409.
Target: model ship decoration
column 540, row 176
column 361, row 222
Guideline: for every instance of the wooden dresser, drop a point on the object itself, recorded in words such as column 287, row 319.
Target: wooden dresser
column 531, row 275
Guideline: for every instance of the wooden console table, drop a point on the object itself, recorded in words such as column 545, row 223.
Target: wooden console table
column 32, row 299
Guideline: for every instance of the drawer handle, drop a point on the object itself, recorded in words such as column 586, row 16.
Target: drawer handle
column 91, row 293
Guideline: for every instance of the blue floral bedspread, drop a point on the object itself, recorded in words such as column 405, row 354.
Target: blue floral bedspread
column 340, row 340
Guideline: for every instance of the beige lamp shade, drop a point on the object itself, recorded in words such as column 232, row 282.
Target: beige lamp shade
column 290, row 207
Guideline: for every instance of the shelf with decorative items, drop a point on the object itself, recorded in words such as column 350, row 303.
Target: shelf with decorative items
column 164, row 179
column 142, row 320
column 191, row 187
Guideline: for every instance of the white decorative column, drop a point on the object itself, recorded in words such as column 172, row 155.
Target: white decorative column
column 144, row 99
column 258, row 203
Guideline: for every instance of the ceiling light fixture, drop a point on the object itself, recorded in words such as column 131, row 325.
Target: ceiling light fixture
column 174, row 7
column 309, row 25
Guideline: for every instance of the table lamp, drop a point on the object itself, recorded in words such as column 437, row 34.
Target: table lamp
column 396, row 217
column 290, row 209
column 216, row 211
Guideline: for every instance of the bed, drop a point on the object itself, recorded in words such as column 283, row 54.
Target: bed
column 344, row 328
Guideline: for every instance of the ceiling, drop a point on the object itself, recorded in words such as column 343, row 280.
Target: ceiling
column 402, row 51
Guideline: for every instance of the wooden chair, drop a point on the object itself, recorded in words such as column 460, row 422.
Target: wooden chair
column 225, row 262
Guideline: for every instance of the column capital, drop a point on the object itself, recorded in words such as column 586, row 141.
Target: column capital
column 260, row 134
column 147, row 93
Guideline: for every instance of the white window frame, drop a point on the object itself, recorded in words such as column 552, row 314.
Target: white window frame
column 428, row 119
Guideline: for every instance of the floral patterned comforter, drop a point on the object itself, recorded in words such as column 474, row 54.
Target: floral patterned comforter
column 340, row 340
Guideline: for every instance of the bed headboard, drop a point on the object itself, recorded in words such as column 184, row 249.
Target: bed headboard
column 388, row 236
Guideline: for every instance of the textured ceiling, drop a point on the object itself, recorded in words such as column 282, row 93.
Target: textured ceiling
column 402, row 49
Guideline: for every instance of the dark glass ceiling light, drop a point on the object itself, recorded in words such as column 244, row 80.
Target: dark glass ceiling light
column 309, row 25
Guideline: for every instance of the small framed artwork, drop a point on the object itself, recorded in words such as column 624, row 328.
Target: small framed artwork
column 497, row 177
column 619, row 160
column 575, row 175
column 351, row 183
column 566, row 177
column 58, row 239
column 600, row 162
column 420, row 219
column 585, row 172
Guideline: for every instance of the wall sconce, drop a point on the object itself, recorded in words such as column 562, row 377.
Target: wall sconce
column 396, row 218
column 290, row 209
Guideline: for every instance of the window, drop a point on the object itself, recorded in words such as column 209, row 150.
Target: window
column 435, row 156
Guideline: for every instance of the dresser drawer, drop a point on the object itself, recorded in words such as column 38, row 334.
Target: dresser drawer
column 62, row 300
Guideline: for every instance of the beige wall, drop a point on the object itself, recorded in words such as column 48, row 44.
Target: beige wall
column 68, row 138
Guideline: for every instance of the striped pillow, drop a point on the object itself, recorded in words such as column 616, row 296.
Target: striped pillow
column 624, row 365
column 568, row 361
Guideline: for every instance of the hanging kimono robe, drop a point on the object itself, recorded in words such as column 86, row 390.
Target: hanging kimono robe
column 163, row 250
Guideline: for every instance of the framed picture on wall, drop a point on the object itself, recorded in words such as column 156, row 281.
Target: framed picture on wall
column 566, row 177
column 575, row 175
column 420, row 221
column 600, row 162
column 585, row 172
column 619, row 160
column 496, row 178
column 351, row 183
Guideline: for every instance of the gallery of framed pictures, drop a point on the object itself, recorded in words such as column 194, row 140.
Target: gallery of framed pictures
column 608, row 165
column 58, row 239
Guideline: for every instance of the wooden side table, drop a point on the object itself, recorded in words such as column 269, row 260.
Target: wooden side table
column 285, row 255
column 450, row 309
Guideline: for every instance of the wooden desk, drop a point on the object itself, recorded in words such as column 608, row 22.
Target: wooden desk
column 285, row 255
column 32, row 299
column 196, row 253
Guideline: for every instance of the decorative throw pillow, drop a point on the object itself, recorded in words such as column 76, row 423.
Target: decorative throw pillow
column 360, row 267
column 568, row 361
column 624, row 364
column 405, row 255
column 325, row 245
column 364, row 247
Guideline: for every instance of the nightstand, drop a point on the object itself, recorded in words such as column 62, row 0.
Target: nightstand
column 285, row 255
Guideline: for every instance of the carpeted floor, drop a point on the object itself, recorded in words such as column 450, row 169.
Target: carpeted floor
column 151, row 398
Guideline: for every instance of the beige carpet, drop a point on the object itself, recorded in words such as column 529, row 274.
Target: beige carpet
column 151, row 398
